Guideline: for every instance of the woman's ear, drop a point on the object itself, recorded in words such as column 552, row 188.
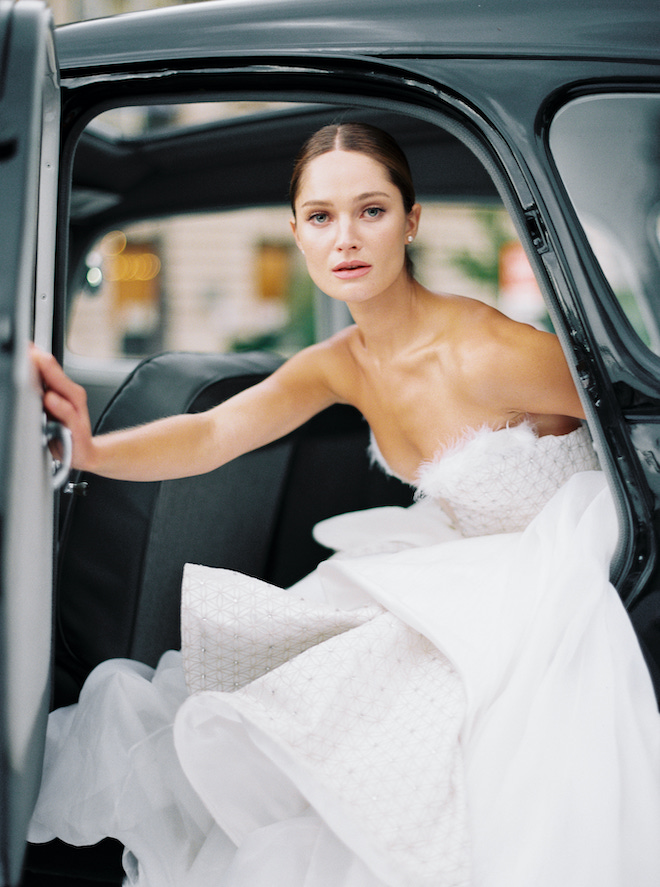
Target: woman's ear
column 412, row 222
column 292, row 222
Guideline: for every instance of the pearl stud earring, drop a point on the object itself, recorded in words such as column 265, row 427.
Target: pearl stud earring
column 410, row 238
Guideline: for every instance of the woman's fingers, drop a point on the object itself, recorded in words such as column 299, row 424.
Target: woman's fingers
column 55, row 382
column 53, row 376
column 60, row 408
column 65, row 401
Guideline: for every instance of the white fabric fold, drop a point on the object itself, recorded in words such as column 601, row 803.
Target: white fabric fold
column 422, row 711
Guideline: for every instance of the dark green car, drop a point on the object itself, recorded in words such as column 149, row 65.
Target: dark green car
column 533, row 132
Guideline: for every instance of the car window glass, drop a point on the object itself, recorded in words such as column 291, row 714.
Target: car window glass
column 136, row 121
column 233, row 280
column 607, row 151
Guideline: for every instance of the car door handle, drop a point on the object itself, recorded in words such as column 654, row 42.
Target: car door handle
column 55, row 431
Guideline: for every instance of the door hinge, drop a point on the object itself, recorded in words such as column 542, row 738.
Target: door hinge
column 537, row 231
column 6, row 333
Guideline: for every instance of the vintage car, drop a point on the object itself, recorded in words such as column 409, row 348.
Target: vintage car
column 544, row 117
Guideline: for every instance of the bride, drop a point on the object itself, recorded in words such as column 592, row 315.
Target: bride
column 456, row 697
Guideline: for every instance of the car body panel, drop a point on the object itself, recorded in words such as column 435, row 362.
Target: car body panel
column 456, row 28
column 26, row 491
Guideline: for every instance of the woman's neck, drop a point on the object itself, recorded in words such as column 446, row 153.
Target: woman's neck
column 392, row 323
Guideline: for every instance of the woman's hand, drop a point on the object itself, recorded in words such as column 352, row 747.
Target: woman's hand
column 192, row 443
column 66, row 402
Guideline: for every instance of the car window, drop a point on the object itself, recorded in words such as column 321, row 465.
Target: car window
column 207, row 282
column 228, row 281
column 607, row 151
column 215, row 268
column 137, row 121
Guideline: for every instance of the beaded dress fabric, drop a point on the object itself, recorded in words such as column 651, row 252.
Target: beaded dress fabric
column 497, row 481
column 454, row 698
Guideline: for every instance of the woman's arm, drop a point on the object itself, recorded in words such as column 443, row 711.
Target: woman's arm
column 182, row 446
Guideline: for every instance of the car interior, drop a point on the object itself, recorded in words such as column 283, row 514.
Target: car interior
column 123, row 545
column 170, row 171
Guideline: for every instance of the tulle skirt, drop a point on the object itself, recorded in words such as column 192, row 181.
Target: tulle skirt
column 421, row 710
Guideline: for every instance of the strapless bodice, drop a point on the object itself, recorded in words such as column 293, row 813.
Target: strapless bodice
column 498, row 481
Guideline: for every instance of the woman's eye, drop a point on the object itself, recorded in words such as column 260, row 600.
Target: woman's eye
column 373, row 212
column 318, row 218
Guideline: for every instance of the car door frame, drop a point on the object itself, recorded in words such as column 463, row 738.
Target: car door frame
column 29, row 148
column 449, row 91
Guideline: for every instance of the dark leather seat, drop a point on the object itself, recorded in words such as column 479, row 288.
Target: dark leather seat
column 124, row 544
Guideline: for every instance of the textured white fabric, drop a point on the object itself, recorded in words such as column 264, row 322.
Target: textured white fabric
column 423, row 709
column 235, row 636
column 497, row 481
column 340, row 720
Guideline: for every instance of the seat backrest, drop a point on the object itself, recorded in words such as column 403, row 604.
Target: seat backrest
column 124, row 544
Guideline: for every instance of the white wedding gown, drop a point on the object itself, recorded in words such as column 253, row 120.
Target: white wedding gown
column 454, row 698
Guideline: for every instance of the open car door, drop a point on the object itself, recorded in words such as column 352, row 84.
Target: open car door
column 29, row 145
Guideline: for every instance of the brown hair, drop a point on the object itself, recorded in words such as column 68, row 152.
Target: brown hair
column 365, row 139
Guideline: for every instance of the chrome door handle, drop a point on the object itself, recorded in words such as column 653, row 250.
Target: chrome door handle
column 55, row 431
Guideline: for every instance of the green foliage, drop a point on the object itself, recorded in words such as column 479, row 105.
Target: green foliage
column 483, row 266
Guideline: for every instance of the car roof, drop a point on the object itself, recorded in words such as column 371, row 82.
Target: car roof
column 614, row 29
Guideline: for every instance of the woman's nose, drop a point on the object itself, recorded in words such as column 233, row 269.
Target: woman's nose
column 346, row 234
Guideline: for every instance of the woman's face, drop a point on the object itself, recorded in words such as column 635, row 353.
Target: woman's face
column 352, row 226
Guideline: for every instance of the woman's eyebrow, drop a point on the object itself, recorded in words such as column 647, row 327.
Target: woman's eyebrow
column 368, row 195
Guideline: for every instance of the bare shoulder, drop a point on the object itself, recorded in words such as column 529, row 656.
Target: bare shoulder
column 331, row 353
column 323, row 367
column 489, row 340
column 336, row 356
column 512, row 364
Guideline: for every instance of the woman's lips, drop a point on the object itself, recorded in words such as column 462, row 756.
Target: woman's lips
column 351, row 270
